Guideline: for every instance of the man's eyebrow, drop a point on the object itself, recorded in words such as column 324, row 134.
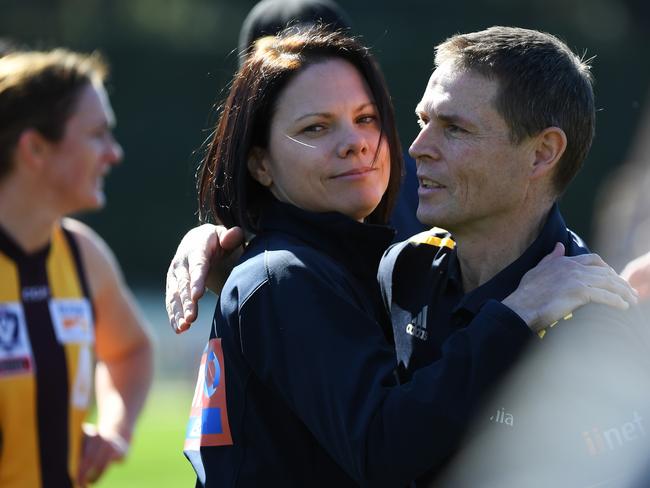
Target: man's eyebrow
column 448, row 118
column 453, row 119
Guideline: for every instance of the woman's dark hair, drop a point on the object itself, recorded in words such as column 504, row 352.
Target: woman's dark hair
column 227, row 192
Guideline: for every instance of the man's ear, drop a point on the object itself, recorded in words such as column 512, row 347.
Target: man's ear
column 550, row 145
column 259, row 168
column 32, row 149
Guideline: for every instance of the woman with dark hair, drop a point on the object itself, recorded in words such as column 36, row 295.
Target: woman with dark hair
column 296, row 386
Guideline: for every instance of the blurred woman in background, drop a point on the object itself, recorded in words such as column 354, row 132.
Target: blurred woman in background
column 63, row 300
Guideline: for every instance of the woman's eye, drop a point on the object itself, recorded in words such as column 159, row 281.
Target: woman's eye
column 367, row 119
column 100, row 133
column 314, row 128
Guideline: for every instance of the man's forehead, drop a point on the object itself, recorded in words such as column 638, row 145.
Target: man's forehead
column 451, row 85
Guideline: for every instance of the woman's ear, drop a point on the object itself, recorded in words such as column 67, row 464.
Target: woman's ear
column 32, row 148
column 550, row 145
column 259, row 168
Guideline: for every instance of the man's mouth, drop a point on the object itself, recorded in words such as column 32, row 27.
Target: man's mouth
column 429, row 183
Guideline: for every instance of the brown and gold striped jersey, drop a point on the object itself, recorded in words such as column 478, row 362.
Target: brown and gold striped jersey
column 46, row 361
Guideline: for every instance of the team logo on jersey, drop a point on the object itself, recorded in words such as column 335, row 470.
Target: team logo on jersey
column 418, row 326
column 72, row 319
column 15, row 349
column 35, row 293
column 208, row 424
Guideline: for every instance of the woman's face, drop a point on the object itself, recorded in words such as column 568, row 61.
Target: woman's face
column 325, row 152
column 81, row 160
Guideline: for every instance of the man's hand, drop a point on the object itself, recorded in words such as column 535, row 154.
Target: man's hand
column 637, row 273
column 205, row 256
column 559, row 284
column 98, row 452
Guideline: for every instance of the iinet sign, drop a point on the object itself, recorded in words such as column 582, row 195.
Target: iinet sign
column 599, row 441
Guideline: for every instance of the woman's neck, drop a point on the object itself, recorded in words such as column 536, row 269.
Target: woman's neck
column 25, row 216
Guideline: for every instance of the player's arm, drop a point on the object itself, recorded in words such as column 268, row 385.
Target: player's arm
column 124, row 356
column 205, row 257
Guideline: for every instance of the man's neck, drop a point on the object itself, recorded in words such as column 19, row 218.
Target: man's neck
column 485, row 250
column 25, row 216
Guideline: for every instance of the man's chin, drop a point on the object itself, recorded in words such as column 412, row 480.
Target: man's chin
column 431, row 217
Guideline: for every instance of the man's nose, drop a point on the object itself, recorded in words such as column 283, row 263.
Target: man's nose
column 425, row 145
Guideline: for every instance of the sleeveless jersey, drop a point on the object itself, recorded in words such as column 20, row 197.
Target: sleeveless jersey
column 46, row 344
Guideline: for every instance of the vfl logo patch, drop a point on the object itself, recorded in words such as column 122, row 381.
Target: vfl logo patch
column 15, row 349
column 208, row 423
column 8, row 330
column 72, row 319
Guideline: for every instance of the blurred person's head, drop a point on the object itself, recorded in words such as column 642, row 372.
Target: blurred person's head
column 508, row 110
column 55, row 125
column 269, row 17
column 7, row 46
column 308, row 121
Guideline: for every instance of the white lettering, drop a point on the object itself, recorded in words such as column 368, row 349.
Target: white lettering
column 35, row 293
column 598, row 441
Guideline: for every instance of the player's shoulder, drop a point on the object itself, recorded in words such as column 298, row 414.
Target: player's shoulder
column 96, row 256
column 87, row 239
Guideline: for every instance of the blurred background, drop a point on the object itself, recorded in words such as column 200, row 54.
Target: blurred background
column 171, row 62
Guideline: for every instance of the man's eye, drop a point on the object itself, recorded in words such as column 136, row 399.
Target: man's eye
column 454, row 129
column 422, row 122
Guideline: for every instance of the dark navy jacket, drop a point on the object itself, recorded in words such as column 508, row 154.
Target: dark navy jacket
column 421, row 283
column 404, row 219
column 422, row 287
column 310, row 390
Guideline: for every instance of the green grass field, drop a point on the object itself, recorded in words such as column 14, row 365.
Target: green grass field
column 156, row 458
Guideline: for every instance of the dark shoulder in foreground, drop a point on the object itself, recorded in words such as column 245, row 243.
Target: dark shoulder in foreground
column 606, row 327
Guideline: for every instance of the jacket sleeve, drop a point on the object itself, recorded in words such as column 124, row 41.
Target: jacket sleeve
column 305, row 337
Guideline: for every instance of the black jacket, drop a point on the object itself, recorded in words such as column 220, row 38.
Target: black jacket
column 311, row 394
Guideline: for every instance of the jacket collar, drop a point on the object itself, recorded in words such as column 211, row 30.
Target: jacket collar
column 358, row 246
column 507, row 280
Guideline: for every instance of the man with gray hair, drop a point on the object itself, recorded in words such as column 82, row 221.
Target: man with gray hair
column 507, row 119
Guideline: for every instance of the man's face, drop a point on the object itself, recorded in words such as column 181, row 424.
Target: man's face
column 470, row 174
